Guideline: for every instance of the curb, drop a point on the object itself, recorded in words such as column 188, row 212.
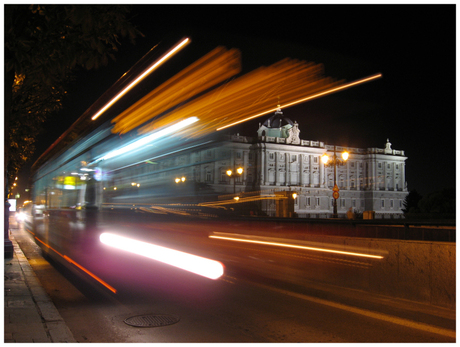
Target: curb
column 28, row 294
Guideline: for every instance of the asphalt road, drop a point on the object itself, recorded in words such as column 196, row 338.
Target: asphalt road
column 267, row 294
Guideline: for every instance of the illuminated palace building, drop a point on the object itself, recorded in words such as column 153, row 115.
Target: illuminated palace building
column 277, row 163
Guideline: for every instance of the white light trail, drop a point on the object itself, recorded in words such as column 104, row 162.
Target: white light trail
column 147, row 139
column 198, row 265
column 142, row 76
column 289, row 245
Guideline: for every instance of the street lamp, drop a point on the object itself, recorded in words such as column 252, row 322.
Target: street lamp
column 334, row 161
column 178, row 180
column 233, row 175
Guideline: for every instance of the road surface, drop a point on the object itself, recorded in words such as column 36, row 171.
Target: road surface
column 268, row 293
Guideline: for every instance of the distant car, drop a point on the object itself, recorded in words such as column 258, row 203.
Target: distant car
column 20, row 216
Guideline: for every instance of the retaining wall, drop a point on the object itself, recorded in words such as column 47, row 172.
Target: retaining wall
column 422, row 271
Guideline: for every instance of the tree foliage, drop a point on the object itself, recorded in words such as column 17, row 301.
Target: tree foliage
column 439, row 202
column 438, row 205
column 411, row 202
column 44, row 46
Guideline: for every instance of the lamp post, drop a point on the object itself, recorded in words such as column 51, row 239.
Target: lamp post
column 238, row 172
column 334, row 161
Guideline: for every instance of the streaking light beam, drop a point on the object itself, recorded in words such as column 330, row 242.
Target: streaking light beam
column 142, row 76
column 198, row 265
column 314, row 96
column 147, row 139
column 279, row 244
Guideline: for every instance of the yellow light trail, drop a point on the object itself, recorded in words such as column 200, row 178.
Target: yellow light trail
column 241, row 200
column 213, row 68
column 198, row 91
column 237, row 99
column 317, row 95
column 142, row 76
column 249, row 94
column 288, row 245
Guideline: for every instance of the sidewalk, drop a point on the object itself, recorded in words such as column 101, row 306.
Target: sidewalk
column 29, row 313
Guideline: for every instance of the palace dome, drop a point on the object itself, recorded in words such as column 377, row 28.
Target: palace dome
column 277, row 120
column 276, row 125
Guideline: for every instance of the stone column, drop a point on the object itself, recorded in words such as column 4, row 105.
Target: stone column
column 300, row 180
column 385, row 185
column 322, row 175
column 277, row 172
column 287, row 171
column 403, row 176
column 311, row 169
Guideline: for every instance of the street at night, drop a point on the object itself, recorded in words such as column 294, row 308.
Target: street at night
column 204, row 173
column 267, row 294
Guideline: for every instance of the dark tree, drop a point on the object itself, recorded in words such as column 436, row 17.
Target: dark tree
column 440, row 203
column 411, row 202
column 44, row 45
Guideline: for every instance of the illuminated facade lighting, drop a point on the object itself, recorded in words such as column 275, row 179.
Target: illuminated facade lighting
column 174, row 50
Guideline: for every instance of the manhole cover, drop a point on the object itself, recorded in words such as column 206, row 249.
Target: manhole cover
column 150, row 320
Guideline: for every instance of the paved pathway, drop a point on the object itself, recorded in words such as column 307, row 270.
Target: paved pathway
column 30, row 315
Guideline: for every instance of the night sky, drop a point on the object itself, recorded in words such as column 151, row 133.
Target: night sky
column 413, row 46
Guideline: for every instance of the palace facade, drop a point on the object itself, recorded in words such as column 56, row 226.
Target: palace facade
column 277, row 165
column 278, row 162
